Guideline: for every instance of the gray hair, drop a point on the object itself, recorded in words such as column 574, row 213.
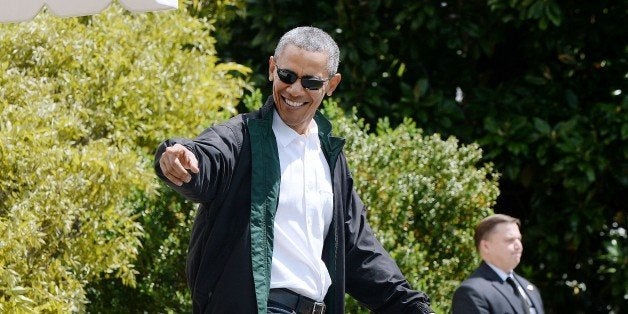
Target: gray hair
column 314, row 40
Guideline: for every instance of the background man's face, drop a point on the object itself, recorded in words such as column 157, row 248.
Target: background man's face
column 502, row 246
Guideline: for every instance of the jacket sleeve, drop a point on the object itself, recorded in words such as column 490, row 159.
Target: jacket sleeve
column 373, row 277
column 467, row 300
column 216, row 150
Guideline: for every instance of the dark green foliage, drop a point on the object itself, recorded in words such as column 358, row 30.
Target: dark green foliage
column 161, row 286
column 424, row 195
column 544, row 86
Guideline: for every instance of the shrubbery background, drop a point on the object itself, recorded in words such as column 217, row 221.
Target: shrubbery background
column 86, row 227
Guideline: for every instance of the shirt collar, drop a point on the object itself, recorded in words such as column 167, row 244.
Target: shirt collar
column 285, row 134
column 499, row 272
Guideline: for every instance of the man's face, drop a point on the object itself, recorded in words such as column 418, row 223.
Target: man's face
column 296, row 104
column 502, row 247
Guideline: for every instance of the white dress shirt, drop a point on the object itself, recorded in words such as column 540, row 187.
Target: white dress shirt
column 303, row 214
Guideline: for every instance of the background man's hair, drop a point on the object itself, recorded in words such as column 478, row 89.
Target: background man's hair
column 486, row 226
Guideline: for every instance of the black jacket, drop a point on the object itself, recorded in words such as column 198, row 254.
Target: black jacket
column 230, row 250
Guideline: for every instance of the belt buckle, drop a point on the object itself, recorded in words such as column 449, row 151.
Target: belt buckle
column 318, row 308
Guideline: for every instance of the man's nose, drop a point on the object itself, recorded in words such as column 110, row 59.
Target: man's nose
column 296, row 87
column 518, row 245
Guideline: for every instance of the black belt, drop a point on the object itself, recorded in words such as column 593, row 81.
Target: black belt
column 297, row 302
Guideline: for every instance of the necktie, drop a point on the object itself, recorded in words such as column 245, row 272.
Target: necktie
column 518, row 292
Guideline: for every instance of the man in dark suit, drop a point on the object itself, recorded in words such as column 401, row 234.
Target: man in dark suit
column 494, row 287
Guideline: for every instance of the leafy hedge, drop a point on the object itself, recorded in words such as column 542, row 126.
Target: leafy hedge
column 424, row 195
column 83, row 103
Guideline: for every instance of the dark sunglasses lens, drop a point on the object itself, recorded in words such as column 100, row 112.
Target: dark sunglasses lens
column 308, row 82
column 287, row 76
column 312, row 83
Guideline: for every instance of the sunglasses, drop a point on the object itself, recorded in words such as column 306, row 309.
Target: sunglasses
column 308, row 81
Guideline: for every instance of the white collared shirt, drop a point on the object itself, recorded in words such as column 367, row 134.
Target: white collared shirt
column 303, row 214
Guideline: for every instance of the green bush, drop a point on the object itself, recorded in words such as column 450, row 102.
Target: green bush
column 83, row 103
column 424, row 196
column 161, row 285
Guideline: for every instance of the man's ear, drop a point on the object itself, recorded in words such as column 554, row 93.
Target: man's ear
column 333, row 83
column 484, row 246
column 271, row 68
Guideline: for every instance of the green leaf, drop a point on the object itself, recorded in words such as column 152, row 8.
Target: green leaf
column 571, row 98
column 553, row 13
column 541, row 125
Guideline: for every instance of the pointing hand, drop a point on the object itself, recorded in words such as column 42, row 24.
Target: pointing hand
column 175, row 163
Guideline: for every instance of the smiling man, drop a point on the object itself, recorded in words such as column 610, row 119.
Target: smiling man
column 280, row 228
column 494, row 287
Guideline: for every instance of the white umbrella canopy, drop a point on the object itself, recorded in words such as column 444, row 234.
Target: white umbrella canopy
column 13, row 11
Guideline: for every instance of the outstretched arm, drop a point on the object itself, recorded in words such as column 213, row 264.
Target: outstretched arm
column 200, row 169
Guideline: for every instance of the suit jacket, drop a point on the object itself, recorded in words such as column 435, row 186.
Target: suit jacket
column 485, row 292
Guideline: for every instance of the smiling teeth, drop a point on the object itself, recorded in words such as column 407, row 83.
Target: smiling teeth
column 294, row 103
